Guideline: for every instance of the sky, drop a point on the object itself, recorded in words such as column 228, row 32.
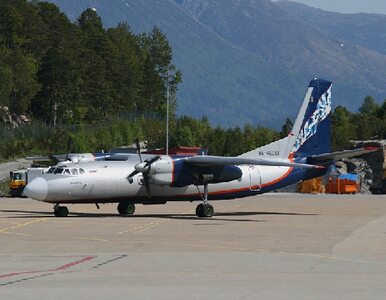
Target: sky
column 348, row 6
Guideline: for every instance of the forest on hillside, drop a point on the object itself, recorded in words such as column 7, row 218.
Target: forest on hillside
column 105, row 87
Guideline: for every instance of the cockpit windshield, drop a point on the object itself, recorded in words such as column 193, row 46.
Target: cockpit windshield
column 59, row 170
column 65, row 171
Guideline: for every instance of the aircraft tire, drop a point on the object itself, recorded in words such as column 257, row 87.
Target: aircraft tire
column 208, row 210
column 61, row 211
column 204, row 210
column 126, row 208
column 200, row 210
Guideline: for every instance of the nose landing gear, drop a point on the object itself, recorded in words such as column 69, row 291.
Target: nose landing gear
column 60, row 211
column 205, row 210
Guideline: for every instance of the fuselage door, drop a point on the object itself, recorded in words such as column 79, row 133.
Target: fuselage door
column 254, row 179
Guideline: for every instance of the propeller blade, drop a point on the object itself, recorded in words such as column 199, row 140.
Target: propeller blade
column 147, row 185
column 69, row 141
column 138, row 149
column 132, row 174
column 153, row 160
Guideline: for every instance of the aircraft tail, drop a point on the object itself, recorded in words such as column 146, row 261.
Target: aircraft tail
column 311, row 132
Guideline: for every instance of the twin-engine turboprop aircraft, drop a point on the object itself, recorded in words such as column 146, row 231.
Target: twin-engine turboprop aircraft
column 156, row 179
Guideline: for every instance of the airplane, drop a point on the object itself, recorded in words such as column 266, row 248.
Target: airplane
column 156, row 179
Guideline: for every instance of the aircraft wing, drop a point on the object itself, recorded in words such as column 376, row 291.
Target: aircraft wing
column 216, row 161
column 342, row 154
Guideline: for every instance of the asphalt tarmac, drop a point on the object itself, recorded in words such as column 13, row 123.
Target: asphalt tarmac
column 275, row 246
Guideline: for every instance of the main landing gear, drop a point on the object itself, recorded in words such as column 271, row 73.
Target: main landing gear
column 205, row 210
column 60, row 211
column 125, row 208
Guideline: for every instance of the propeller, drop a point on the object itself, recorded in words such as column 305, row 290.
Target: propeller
column 144, row 168
column 69, row 142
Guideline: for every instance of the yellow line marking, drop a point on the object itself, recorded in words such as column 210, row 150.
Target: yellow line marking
column 143, row 228
column 20, row 234
column 4, row 230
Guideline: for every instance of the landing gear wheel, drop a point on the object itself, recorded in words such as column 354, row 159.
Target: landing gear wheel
column 61, row 211
column 200, row 210
column 204, row 210
column 125, row 208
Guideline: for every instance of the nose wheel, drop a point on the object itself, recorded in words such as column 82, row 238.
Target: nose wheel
column 204, row 210
column 60, row 211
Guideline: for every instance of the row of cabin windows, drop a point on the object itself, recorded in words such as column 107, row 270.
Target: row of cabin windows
column 66, row 171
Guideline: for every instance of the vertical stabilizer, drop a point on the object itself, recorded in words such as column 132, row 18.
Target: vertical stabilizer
column 311, row 131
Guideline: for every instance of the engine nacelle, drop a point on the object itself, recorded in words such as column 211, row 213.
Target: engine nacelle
column 178, row 173
column 161, row 171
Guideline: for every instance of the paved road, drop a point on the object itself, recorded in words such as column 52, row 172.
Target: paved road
column 276, row 246
column 5, row 168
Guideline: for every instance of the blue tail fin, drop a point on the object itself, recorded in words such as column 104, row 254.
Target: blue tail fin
column 311, row 131
column 314, row 136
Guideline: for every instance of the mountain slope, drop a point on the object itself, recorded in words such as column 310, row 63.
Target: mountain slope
column 287, row 40
column 247, row 61
column 366, row 30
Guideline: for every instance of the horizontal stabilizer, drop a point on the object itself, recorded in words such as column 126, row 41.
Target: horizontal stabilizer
column 342, row 154
column 216, row 161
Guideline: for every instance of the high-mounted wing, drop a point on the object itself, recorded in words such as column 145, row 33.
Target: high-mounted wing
column 213, row 161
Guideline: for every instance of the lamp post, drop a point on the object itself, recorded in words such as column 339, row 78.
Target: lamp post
column 167, row 117
column 169, row 79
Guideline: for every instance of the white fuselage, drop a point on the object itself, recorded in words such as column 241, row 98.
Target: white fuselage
column 106, row 181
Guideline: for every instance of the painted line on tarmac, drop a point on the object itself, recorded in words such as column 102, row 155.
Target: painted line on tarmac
column 275, row 252
column 26, row 279
column 143, row 228
column 110, row 261
column 58, row 269
column 90, row 239
column 6, row 229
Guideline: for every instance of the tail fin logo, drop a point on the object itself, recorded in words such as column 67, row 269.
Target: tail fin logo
column 310, row 127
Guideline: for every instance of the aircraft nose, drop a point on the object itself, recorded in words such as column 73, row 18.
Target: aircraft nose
column 37, row 189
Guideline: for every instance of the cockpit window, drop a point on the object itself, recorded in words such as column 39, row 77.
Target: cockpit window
column 58, row 170
column 51, row 170
column 67, row 171
column 74, row 171
column 17, row 176
column 81, row 171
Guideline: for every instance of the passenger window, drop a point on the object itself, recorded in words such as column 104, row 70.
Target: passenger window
column 74, row 171
column 67, row 171
column 59, row 171
column 81, row 171
column 51, row 170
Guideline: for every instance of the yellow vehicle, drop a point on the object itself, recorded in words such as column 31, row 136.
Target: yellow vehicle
column 17, row 182
column 20, row 178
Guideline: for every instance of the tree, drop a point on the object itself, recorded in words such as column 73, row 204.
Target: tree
column 369, row 106
column 125, row 68
column 158, row 69
column 57, row 74
column 344, row 129
column 286, row 128
column 11, row 25
column 23, row 83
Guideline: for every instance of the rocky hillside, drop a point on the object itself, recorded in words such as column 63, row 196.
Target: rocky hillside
column 9, row 120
